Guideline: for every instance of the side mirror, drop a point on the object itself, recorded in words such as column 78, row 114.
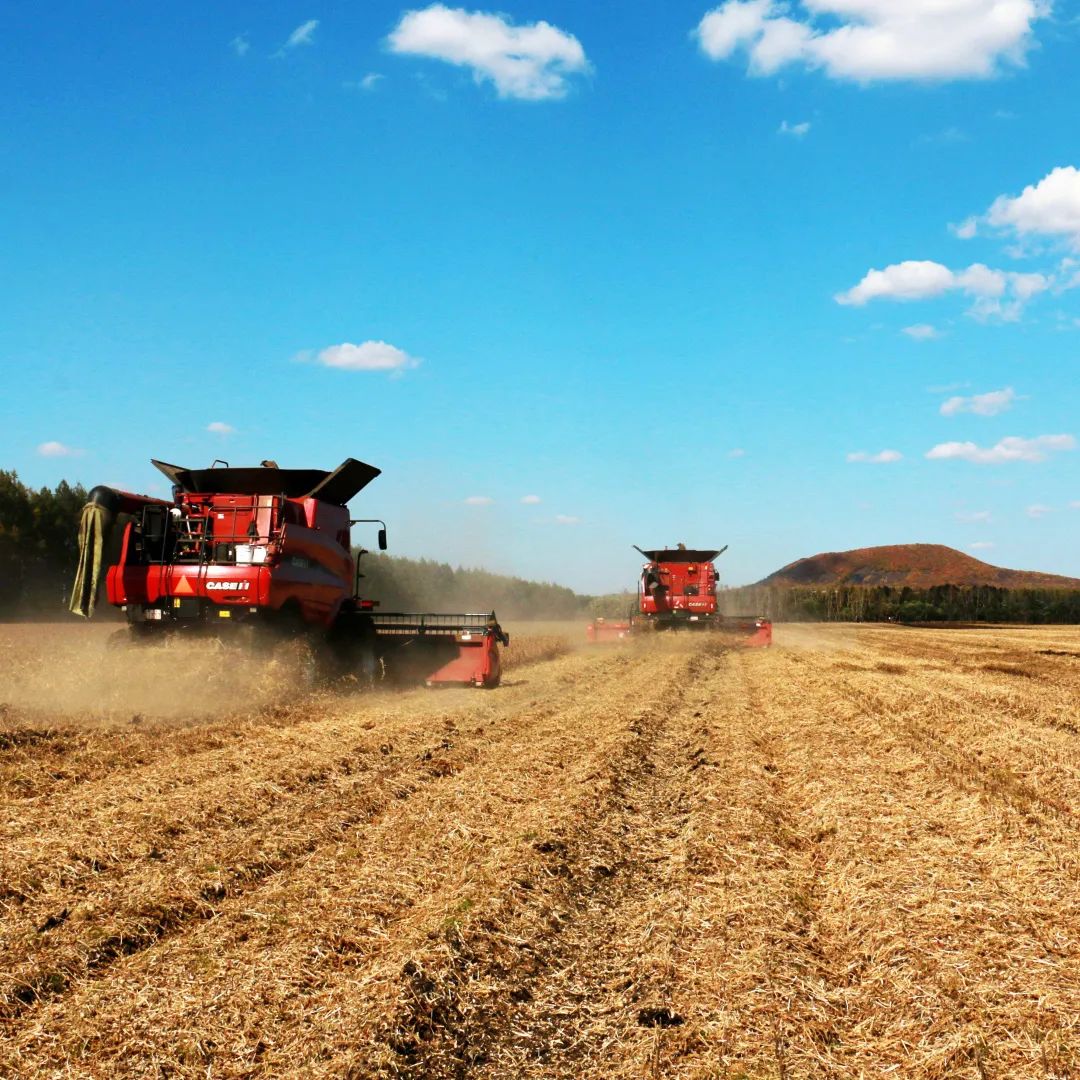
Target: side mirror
column 382, row 539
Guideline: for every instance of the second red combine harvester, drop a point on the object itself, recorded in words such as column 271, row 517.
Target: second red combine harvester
column 268, row 549
column 677, row 590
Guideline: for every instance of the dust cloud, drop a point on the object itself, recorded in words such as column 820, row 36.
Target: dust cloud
column 53, row 674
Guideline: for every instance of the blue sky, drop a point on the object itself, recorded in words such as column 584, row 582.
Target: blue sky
column 620, row 262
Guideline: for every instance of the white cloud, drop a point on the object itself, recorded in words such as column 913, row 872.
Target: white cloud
column 1009, row 449
column 869, row 40
column 479, row 500
column 1038, row 510
column 996, row 293
column 738, row 452
column 531, row 500
column 371, row 80
column 795, row 130
column 567, row 519
column 304, row 34
column 988, row 404
column 922, row 332
column 981, row 545
column 884, row 457
column 240, row 44
column 1075, row 504
column 368, row 356
column 973, row 517
column 58, row 449
column 1049, row 208
column 531, row 62
column 218, row 427
column 909, row 280
column 968, row 229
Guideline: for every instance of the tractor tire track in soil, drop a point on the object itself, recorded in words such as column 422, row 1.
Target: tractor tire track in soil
column 851, row 856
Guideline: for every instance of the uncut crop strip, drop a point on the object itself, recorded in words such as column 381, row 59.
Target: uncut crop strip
column 326, row 912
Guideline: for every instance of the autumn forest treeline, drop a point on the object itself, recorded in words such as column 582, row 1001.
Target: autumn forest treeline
column 884, row 603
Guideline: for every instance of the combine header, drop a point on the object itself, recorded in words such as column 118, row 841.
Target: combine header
column 268, row 549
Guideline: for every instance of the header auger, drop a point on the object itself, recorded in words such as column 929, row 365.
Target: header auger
column 267, row 549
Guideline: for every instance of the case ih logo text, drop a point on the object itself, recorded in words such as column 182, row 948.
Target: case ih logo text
column 225, row 586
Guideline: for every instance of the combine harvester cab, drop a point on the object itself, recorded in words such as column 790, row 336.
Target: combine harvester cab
column 267, row 549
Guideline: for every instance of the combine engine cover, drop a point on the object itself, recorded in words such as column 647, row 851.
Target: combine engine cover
column 678, row 587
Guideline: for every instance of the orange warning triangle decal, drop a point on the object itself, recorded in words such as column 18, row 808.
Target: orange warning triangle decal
column 183, row 588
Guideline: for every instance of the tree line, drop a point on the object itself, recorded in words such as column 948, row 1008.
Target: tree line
column 39, row 541
column 884, row 603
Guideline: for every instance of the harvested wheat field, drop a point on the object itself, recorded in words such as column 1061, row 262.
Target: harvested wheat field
column 854, row 855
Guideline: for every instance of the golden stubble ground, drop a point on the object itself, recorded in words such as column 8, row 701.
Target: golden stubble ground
column 853, row 855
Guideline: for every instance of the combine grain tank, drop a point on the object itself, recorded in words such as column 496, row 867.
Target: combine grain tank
column 267, row 549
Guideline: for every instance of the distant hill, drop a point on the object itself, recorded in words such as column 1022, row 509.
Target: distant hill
column 918, row 566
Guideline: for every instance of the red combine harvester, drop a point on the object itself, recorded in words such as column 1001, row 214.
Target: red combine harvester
column 677, row 590
column 268, row 549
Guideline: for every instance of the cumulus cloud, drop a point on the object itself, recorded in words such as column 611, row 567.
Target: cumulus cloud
column 240, row 44
column 304, row 34
column 995, row 293
column 795, row 130
column 1049, row 208
column 922, row 332
column 531, row 500
column 1007, row 450
column 371, row 80
column 1038, row 510
column 988, row 404
column 219, row 427
column 531, row 62
column 973, row 517
column 871, row 40
column 883, row 457
column 479, row 500
column 368, row 356
column 567, row 519
column 968, row 229
column 58, row 449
